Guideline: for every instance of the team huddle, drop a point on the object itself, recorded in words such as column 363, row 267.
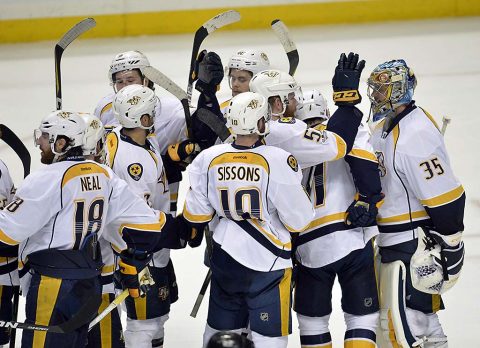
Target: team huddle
column 293, row 198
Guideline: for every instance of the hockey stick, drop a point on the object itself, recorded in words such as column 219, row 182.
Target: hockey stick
column 201, row 294
column 79, row 319
column 217, row 22
column 214, row 123
column 445, row 122
column 77, row 30
column 13, row 332
column 166, row 83
column 16, row 144
column 283, row 35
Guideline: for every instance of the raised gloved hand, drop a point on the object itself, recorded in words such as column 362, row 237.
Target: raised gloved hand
column 363, row 210
column 133, row 274
column 209, row 72
column 181, row 151
column 346, row 80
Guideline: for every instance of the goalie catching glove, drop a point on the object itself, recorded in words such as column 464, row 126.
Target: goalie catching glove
column 435, row 267
column 133, row 274
column 346, row 80
column 363, row 210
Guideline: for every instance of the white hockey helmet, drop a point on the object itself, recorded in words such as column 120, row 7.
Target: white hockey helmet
column 127, row 61
column 244, row 112
column 131, row 103
column 271, row 83
column 314, row 106
column 249, row 60
column 62, row 123
column 94, row 135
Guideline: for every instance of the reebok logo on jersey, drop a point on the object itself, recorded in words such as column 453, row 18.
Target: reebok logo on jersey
column 292, row 162
column 135, row 170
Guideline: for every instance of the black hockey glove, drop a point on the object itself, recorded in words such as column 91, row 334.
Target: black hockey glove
column 346, row 80
column 209, row 71
column 191, row 233
column 130, row 273
column 179, row 152
column 363, row 210
column 452, row 252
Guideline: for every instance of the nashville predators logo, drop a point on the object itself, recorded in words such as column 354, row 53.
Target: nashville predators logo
column 163, row 293
column 135, row 170
column 270, row 73
column 95, row 124
column 292, row 162
column 64, row 114
column 264, row 56
column 240, row 53
column 253, row 104
column 134, row 100
column 381, row 163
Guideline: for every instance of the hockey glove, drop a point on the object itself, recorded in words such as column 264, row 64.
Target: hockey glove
column 133, row 274
column 192, row 234
column 363, row 210
column 187, row 149
column 346, row 80
column 209, row 71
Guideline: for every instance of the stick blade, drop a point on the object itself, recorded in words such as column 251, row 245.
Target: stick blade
column 283, row 35
column 163, row 81
column 221, row 20
column 18, row 146
column 77, row 30
column 214, row 123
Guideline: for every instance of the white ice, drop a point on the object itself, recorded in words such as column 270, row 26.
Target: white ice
column 445, row 55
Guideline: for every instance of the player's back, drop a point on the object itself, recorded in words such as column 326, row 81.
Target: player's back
column 256, row 192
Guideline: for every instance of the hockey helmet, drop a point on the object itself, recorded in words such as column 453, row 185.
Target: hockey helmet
column 94, row 141
column 314, row 105
column 244, row 112
column 249, row 60
column 127, row 61
column 390, row 85
column 131, row 103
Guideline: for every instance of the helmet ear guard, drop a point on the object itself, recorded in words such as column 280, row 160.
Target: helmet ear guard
column 390, row 85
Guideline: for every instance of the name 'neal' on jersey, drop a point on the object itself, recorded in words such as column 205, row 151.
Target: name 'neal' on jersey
column 90, row 183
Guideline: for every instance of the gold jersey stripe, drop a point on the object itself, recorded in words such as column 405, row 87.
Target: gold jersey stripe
column 403, row 217
column 82, row 169
column 337, row 217
column 341, row 147
column 107, row 269
column 154, row 156
column 106, row 108
column 444, row 198
column 431, row 118
column 155, row 227
column 105, row 323
column 358, row 343
column 6, row 239
column 363, row 154
column 195, row 217
column 46, row 299
column 173, row 196
column 112, row 146
column 141, row 307
column 285, row 293
column 275, row 240
column 241, row 157
column 225, row 104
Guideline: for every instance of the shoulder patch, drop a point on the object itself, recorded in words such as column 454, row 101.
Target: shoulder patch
column 292, row 162
column 135, row 170
column 286, row 120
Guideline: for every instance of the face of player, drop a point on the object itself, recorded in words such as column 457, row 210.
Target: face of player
column 42, row 141
column 126, row 78
column 291, row 106
column 239, row 80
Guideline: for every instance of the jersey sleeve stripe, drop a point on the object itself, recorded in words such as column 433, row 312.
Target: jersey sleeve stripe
column 430, row 117
column 112, row 145
column 155, row 227
column 341, row 147
column 337, row 217
column 106, row 108
column 225, row 103
column 444, row 198
column 6, row 239
column 197, row 218
column 402, row 217
column 82, row 169
column 363, row 154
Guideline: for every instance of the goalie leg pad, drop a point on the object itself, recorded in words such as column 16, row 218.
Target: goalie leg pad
column 393, row 319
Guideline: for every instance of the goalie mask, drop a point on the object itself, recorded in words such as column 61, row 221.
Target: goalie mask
column 61, row 123
column 244, row 112
column 314, row 105
column 131, row 103
column 390, row 85
column 276, row 83
column 428, row 270
column 249, row 60
column 94, row 140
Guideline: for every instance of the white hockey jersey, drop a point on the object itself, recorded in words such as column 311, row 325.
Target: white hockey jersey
column 415, row 173
column 331, row 188
column 142, row 169
column 257, row 194
column 7, row 191
column 308, row 145
column 60, row 204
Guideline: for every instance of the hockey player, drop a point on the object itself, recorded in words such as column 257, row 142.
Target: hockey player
column 339, row 241
column 136, row 160
column 9, row 282
column 251, row 187
column 108, row 333
column 308, row 145
column 424, row 207
column 57, row 216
